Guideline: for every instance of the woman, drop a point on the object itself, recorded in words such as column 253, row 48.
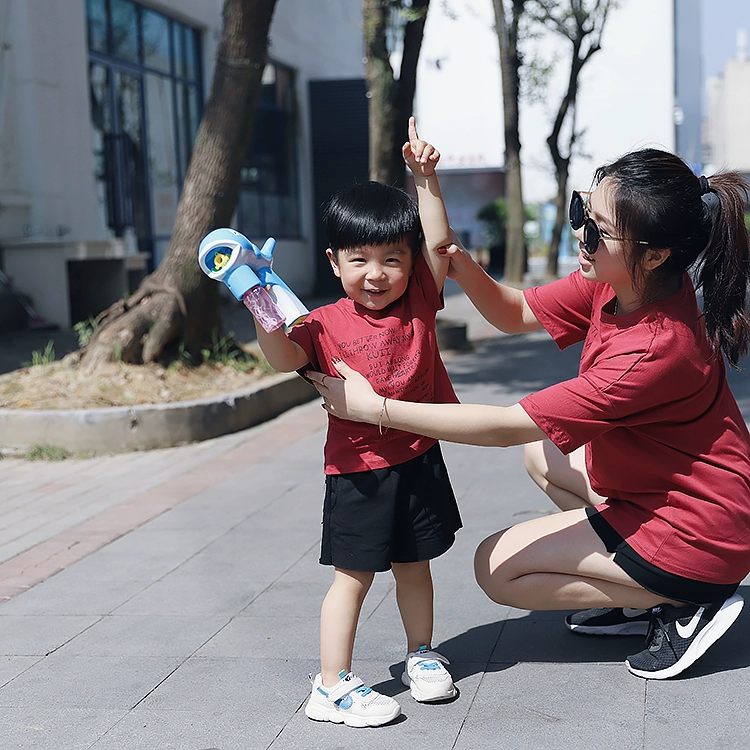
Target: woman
column 646, row 451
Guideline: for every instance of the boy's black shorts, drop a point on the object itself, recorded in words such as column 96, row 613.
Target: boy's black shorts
column 402, row 514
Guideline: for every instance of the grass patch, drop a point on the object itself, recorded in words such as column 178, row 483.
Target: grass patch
column 225, row 350
column 46, row 357
column 44, row 452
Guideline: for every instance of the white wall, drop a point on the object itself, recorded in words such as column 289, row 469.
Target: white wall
column 45, row 140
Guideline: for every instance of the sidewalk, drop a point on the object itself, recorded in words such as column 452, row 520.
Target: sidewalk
column 170, row 599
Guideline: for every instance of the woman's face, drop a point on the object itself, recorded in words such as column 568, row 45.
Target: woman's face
column 609, row 264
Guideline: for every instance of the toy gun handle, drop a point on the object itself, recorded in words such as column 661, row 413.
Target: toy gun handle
column 223, row 256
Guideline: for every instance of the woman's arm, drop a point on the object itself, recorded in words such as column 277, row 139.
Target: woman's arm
column 351, row 397
column 502, row 306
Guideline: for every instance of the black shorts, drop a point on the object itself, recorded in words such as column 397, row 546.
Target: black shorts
column 399, row 514
column 654, row 579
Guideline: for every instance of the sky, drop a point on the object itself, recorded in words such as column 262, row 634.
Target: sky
column 626, row 95
column 720, row 20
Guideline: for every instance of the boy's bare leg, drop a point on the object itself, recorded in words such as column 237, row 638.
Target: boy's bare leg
column 338, row 622
column 414, row 596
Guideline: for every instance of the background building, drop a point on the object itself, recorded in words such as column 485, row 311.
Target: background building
column 728, row 124
column 100, row 101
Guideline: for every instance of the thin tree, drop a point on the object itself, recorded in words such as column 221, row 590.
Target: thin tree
column 507, row 27
column 177, row 302
column 387, row 24
column 581, row 24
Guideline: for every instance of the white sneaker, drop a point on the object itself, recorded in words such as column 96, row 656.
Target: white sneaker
column 428, row 679
column 350, row 702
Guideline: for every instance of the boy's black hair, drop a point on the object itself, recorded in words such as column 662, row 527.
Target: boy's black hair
column 371, row 213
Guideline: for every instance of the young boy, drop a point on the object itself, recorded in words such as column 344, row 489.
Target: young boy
column 389, row 503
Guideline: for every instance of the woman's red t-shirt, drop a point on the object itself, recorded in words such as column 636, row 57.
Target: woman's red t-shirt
column 665, row 440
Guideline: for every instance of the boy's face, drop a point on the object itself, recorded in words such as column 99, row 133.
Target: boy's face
column 374, row 275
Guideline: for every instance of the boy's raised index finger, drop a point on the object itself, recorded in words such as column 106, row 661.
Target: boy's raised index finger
column 413, row 136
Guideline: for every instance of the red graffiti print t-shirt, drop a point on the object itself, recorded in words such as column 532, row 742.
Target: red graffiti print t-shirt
column 396, row 350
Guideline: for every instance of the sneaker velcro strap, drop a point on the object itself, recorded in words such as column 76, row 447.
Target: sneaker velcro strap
column 345, row 686
column 429, row 656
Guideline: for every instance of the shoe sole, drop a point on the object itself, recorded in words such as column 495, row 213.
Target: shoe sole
column 722, row 621
column 421, row 697
column 626, row 628
column 320, row 713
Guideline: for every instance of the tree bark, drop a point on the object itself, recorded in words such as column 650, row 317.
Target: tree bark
column 391, row 98
column 510, row 63
column 178, row 301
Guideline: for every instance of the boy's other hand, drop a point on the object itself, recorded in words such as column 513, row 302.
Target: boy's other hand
column 420, row 156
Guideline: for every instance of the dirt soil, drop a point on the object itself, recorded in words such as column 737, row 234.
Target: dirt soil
column 59, row 385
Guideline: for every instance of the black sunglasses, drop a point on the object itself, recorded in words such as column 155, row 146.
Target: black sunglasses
column 593, row 234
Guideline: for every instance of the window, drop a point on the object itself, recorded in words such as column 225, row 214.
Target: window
column 269, row 200
column 146, row 97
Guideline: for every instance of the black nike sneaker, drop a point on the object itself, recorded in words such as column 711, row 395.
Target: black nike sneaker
column 608, row 621
column 678, row 636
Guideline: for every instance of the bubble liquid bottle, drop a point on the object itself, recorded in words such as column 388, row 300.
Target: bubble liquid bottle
column 223, row 255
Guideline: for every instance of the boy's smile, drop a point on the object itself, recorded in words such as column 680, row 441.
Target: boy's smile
column 375, row 275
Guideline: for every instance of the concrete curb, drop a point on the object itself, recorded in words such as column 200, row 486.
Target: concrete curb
column 149, row 426
column 122, row 429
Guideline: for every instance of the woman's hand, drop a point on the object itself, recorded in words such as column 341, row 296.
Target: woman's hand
column 349, row 397
column 460, row 258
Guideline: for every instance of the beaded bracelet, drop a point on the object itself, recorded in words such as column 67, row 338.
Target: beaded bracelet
column 380, row 418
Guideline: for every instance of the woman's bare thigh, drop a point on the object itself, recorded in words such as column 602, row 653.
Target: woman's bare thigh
column 555, row 562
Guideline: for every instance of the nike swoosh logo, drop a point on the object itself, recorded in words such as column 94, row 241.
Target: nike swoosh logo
column 686, row 631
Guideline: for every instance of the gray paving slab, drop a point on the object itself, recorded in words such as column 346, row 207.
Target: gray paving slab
column 39, row 635
column 52, row 728
column 132, row 636
column 552, row 706
column 92, row 682
column 197, row 628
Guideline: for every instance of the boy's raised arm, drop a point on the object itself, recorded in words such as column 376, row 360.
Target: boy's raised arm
column 421, row 158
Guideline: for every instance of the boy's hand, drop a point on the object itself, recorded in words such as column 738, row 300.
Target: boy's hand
column 420, row 156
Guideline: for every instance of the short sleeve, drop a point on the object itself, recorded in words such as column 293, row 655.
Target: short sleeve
column 643, row 382
column 303, row 335
column 564, row 307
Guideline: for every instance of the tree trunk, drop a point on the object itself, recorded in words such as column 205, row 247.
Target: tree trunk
column 560, row 162
column 510, row 63
column 178, row 301
column 391, row 99
column 560, row 222
column 578, row 24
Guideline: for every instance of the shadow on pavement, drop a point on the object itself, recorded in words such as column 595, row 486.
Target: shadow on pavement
column 524, row 362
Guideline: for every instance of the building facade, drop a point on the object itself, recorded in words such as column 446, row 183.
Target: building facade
column 728, row 122
column 100, row 102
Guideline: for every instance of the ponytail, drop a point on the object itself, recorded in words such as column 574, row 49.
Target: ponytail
column 660, row 200
column 723, row 272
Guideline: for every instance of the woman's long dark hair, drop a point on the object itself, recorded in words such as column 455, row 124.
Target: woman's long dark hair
column 658, row 199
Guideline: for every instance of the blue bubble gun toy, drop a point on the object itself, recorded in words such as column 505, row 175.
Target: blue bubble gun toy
column 228, row 256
